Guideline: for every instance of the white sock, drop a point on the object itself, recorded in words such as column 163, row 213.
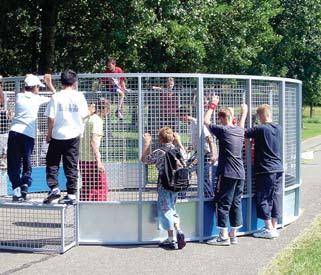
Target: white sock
column 17, row 192
column 170, row 239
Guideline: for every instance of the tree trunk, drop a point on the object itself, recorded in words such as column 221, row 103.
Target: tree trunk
column 311, row 109
column 48, row 30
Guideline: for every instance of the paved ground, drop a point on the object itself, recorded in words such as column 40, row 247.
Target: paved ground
column 250, row 256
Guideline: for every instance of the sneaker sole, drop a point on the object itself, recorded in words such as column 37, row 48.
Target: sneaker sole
column 219, row 244
column 67, row 202
column 51, row 199
column 264, row 237
column 168, row 247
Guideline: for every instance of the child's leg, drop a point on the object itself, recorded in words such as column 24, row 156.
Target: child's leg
column 268, row 224
column 276, row 211
column 236, row 219
column 264, row 193
column 170, row 234
column 225, row 200
column 274, row 223
column 176, row 222
column 121, row 95
column 233, row 231
column 224, row 232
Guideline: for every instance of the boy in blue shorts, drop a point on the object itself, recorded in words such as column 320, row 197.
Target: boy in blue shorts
column 168, row 218
column 268, row 171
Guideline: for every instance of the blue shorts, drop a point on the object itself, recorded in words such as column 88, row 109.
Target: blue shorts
column 269, row 195
column 115, row 89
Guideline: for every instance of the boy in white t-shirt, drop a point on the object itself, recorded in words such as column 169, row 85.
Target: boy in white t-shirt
column 66, row 112
column 22, row 135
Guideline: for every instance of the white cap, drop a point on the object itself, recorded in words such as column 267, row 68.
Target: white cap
column 32, row 80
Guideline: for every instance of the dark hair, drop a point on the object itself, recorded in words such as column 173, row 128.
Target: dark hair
column 68, row 77
column 29, row 88
column 99, row 104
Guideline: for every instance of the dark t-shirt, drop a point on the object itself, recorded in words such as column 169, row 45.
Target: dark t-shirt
column 267, row 148
column 231, row 140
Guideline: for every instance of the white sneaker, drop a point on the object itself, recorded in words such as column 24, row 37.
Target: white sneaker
column 267, row 234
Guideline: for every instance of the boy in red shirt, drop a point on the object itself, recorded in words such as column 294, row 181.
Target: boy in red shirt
column 116, row 85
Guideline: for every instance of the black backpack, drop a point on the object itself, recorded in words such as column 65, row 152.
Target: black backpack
column 175, row 176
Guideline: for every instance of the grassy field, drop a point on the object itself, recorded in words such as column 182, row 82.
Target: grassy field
column 303, row 256
column 311, row 126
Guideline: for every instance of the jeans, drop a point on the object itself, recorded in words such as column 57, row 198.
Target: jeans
column 167, row 215
column 20, row 148
column 69, row 151
column 229, row 207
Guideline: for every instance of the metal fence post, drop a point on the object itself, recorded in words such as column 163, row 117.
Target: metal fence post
column 200, row 157
column 140, row 151
column 282, row 123
column 248, row 155
column 298, row 148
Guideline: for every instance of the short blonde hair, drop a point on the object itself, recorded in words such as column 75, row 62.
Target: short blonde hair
column 166, row 135
column 264, row 110
column 226, row 113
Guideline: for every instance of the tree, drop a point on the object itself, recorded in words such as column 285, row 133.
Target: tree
column 298, row 54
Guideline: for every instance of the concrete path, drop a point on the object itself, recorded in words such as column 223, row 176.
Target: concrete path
column 249, row 257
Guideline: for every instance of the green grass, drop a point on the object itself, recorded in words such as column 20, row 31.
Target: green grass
column 311, row 126
column 303, row 256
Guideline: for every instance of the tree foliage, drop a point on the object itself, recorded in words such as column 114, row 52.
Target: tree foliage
column 269, row 37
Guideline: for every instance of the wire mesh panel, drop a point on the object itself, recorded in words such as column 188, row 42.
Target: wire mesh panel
column 111, row 174
column 113, row 131
column 7, row 96
column 33, row 227
column 290, row 133
column 232, row 93
column 168, row 102
column 264, row 92
column 39, row 186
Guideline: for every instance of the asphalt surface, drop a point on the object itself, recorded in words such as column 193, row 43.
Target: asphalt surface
column 248, row 257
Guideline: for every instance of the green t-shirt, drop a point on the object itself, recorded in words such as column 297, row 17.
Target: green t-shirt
column 94, row 125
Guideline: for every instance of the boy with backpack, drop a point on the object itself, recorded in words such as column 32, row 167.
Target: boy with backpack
column 167, row 217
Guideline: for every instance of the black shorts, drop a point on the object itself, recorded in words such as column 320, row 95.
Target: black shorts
column 269, row 195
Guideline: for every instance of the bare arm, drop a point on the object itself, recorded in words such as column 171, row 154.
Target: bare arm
column 146, row 148
column 212, row 106
column 243, row 115
column 213, row 149
column 95, row 144
column 48, row 80
column 122, row 85
column 50, row 126
column 178, row 142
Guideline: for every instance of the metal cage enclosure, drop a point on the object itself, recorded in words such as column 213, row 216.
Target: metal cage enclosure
column 123, row 210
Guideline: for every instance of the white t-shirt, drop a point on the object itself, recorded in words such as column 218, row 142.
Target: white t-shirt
column 67, row 108
column 194, row 133
column 26, row 113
